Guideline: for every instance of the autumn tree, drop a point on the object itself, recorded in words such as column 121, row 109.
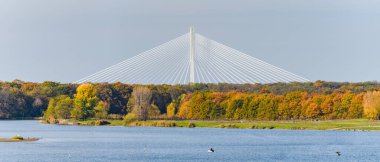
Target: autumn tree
column 356, row 108
column 141, row 97
column 84, row 102
column 170, row 110
column 327, row 107
column 291, row 105
column 371, row 104
column 312, row 107
column 233, row 105
column 267, row 109
column 184, row 110
column 217, row 111
column 342, row 103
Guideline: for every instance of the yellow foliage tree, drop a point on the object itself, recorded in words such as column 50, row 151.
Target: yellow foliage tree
column 371, row 104
column 184, row 110
column 85, row 101
column 170, row 110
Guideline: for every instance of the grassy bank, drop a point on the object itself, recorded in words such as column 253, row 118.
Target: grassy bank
column 354, row 124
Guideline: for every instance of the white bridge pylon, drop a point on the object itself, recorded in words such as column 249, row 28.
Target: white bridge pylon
column 192, row 58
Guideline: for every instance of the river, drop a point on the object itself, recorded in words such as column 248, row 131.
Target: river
column 105, row 143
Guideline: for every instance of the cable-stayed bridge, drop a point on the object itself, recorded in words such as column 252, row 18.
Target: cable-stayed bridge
column 192, row 58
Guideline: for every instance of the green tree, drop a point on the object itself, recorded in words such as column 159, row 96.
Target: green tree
column 59, row 108
column 50, row 111
column 101, row 110
column 63, row 107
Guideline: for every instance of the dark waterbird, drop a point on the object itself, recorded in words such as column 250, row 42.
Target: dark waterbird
column 338, row 153
column 211, row 150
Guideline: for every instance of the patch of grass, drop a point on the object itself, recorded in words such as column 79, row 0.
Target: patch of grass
column 18, row 137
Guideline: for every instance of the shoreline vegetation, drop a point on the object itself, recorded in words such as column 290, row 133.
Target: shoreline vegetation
column 348, row 125
column 317, row 105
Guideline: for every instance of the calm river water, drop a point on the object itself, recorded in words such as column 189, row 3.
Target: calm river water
column 85, row 143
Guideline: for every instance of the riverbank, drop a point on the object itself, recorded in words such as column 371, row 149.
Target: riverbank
column 353, row 124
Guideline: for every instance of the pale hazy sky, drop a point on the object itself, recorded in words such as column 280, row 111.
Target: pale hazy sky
column 65, row 40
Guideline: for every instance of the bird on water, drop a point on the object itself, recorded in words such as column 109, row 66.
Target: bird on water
column 211, row 150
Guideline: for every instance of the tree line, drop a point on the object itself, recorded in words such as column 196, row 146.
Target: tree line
column 266, row 106
column 279, row 101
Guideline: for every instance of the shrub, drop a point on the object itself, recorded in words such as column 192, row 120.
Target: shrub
column 254, row 127
column 63, row 122
column 51, row 120
column 115, row 116
column 296, row 128
column 191, row 125
column 129, row 118
column 231, row 126
column 102, row 122
column 173, row 124
column 164, row 124
column 18, row 137
column 138, row 124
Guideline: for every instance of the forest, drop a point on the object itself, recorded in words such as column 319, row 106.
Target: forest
column 318, row 100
